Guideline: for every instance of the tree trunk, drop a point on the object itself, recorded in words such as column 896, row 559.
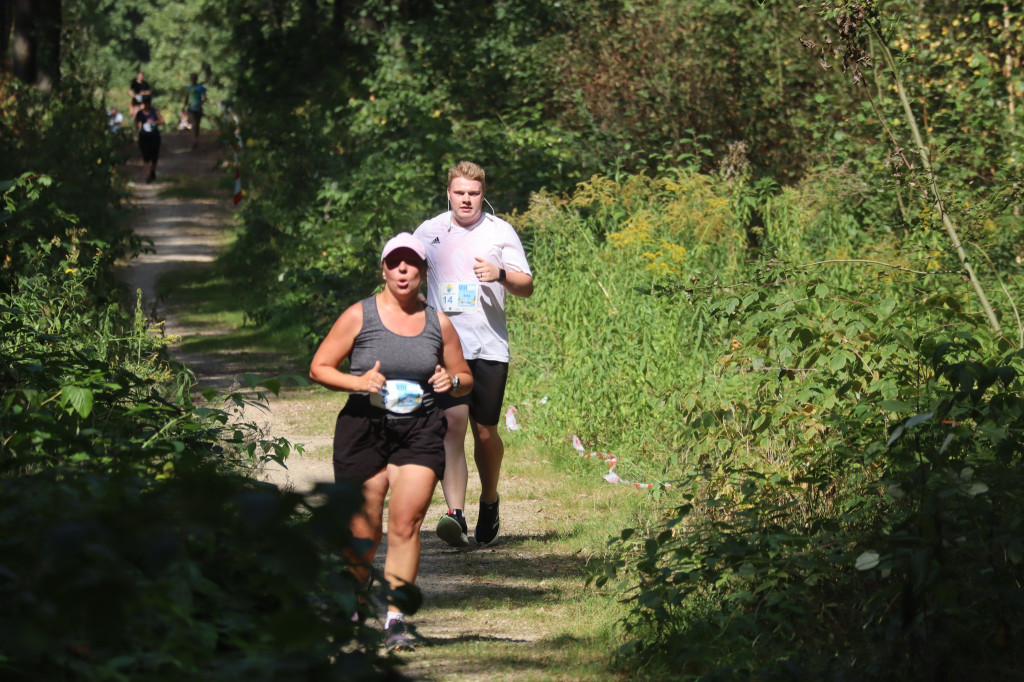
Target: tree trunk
column 36, row 42
column 5, row 33
column 342, row 13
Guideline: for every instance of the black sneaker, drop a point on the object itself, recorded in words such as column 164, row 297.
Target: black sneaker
column 452, row 528
column 488, row 523
column 362, row 611
column 395, row 638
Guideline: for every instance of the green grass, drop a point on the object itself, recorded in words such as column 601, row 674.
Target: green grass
column 209, row 302
column 522, row 609
column 534, row 584
column 529, row 598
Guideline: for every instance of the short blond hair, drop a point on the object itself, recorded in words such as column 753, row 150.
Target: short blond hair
column 468, row 170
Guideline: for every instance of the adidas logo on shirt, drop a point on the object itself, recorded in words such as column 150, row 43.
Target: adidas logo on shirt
column 437, row 240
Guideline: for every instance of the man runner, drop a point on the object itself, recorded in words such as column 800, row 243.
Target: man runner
column 474, row 260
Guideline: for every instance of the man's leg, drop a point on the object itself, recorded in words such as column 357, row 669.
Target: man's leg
column 456, row 473
column 452, row 526
column 488, row 452
column 194, row 124
column 489, row 379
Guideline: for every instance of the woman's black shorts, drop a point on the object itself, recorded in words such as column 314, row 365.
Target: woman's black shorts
column 367, row 440
column 150, row 147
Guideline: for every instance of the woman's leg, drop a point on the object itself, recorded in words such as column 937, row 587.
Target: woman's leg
column 367, row 526
column 412, row 487
column 156, row 156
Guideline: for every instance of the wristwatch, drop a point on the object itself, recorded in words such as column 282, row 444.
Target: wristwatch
column 501, row 275
column 456, row 382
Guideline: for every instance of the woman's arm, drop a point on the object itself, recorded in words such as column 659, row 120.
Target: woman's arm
column 336, row 347
column 455, row 364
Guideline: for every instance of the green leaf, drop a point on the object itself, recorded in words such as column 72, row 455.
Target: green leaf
column 79, row 398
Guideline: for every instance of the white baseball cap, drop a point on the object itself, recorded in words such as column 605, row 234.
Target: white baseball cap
column 404, row 240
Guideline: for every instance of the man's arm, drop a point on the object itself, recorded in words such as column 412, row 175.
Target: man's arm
column 518, row 283
column 515, row 282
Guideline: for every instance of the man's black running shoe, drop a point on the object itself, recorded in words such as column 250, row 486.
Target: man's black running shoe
column 488, row 523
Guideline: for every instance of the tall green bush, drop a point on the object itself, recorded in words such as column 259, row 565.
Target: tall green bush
column 767, row 392
column 855, row 518
column 36, row 135
column 134, row 543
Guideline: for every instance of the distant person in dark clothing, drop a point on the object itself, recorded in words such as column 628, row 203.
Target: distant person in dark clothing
column 148, row 121
column 195, row 96
column 138, row 89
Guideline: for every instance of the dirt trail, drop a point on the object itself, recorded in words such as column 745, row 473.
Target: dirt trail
column 188, row 233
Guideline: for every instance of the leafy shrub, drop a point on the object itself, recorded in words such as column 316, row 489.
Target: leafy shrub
column 617, row 363
column 766, row 391
column 134, row 544
column 34, row 147
column 853, row 513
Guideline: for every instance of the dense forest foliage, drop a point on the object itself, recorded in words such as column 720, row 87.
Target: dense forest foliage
column 778, row 251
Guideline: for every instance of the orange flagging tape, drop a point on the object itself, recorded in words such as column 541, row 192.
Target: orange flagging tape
column 611, row 460
column 512, row 424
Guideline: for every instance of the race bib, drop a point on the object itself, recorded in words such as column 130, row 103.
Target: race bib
column 458, row 297
column 148, row 127
column 398, row 396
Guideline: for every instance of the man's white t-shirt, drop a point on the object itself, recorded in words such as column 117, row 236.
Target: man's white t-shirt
column 476, row 309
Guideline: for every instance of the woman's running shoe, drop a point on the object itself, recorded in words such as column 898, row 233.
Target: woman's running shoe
column 395, row 638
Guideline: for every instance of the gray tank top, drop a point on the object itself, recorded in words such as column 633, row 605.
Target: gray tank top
column 412, row 358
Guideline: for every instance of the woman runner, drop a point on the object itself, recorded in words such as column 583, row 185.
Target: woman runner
column 390, row 433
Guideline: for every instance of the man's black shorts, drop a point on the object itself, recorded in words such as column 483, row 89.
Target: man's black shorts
column 489, row 379
column 366, row 441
